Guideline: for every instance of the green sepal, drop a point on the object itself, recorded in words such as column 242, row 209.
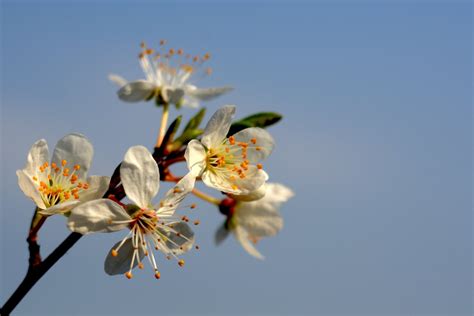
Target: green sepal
column 262, row 119
column 195, row 121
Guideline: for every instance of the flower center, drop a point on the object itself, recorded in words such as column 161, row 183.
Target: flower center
column 230, row 159
column 170, row 66
column 58, row 184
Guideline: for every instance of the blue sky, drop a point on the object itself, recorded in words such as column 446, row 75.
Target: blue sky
column 376, row 142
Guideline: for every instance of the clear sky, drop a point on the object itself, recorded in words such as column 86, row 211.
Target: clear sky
column 376, row 142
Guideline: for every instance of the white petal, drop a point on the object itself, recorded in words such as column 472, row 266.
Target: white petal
column 76, row 150
column 221, row 234
column 172, row 96
column 218, row 126
column 118, row 80
column 140, row 176
column 195, row 157
column 252, row 196
column 29, row 188
column 121, row 263
column 98, row 185
column 207, row 94
column 253, row 180
column 278, row 193
column 97, row 217
column 264, row 142
column 190, row 102
column 259, row 220
column 179, row 238
column 37, row 156
column 136, row 91
column 175, row 196
column 60, row 208
column 242, row 236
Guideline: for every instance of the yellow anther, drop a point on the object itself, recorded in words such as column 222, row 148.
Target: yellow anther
column 114, row 253
column 35, row 178
column 129, row 275
column 176, row 190
column 258, row 148
column 64, row 162
column 157, row 275
column 234, row 187
column 181, row 263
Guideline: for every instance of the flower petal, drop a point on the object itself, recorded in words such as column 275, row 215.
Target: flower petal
column 121, row 263
column 75, row 149
column 218, row 126
column 263, row 146
column 179, row 239
column 206, row 94
column 29, row 188
column 195, row 157
column 136, row 91
column 60, row 208
column 175, row 196
column 37, row 156
column 221, row 234
column 252, row 196
column 118, row 80
column 243, row 238
column 258, row 219
column 97, row 217
column 140, row 176
column 254, row 179
column 172, row 96
column 98, row 185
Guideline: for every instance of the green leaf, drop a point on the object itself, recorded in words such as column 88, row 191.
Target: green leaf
column 195, row 121
column 170, row 134
column 262, row 119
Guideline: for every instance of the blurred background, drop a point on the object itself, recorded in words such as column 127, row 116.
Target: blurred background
column 376, row 143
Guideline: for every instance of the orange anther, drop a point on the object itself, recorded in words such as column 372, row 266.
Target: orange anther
column 77, row 167
column 157, row 275
column 193, row 206
column 171, row 51
column 232, row 140
column 35, row 178
column 259, row 166
column 74, row 177
column 254, row 141
column 162, row 42
column 181, row 262
column 258, row 148
column 114, row 253
column 129, row 275
column 63, row 162
column 196, row 222
column 180, row 51
column 140, row 265
column 54, row 165
column 149, row 51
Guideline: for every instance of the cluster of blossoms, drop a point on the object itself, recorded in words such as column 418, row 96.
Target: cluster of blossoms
column 230, row 164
